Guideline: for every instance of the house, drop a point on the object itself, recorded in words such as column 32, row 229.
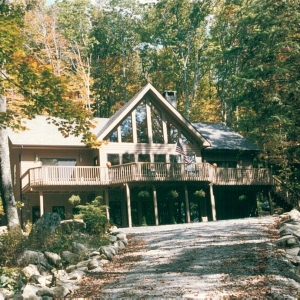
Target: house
column 157, row 168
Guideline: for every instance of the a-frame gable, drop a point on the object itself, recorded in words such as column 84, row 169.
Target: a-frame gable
column 122, row 113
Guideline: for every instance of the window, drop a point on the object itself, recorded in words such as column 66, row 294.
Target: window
column 172, row 132
column 126, row 130
column 113, row 159
column 157, row 128
column 127, row 158
column 159, row 158
column 58, row 161
column 144, row 157
column 60, row 210
column 113, row 137
column 141, row 123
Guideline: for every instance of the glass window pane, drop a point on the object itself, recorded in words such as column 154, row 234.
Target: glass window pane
column 58, row 161
column 113, row 159
column 159, row 158
column 172, row 133
column 126, row 130
column 144, row 157
column 127, row 158
column 113, row 137
column 175, row 158
column 141, row 123
column 157, row 128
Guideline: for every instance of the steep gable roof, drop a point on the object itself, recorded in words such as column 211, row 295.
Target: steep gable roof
column 130, row 105
column 222, row 137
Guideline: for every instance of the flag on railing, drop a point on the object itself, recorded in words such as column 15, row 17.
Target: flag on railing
column 179, row 149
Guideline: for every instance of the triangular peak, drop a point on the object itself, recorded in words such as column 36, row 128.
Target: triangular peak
column 149, row 118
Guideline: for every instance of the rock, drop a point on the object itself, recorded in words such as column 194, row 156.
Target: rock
column 45, row 225
column 108, row 251
column 70, row 268
column 70, row 226
column 5, row 293
column 39, row 279
column 93, row 264
column 30, row 291
column 3, row 230
column 53, row 258
column 282, row 241
column 120, row 244
column 32, row 257
column 121, row 236
column 60, row 291
column 69, row 257
column 45, row 292
column 291, row 242
column 30, row 270
column 79, row 248
column 94, row 253
column 112, row 238
column 292, row 251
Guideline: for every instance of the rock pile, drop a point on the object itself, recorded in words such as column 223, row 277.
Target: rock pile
column 51, row 275
column 288, row 245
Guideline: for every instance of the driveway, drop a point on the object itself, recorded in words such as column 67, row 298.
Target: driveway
column 231, row 259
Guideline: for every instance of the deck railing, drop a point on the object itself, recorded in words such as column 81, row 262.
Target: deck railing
column 77, row 175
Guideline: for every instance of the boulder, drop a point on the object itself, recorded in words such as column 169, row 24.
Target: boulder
column 30, row 270
column 79, row 248
column 41, row 280
column 30, row 291
column 73, row 225
column 53, row 258
column 93, row 264
column 69, row 257
column 108, row 251
column 32, row 257
column 45, row 225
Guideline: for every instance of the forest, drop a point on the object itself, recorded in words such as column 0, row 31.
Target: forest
column 231, row 61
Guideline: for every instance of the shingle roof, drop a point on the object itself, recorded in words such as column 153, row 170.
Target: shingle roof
column 222, row 137
column 42, row 133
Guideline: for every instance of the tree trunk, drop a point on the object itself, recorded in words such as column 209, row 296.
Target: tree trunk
column 5, row 176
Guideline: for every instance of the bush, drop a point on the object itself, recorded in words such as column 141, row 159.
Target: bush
column 94, row 215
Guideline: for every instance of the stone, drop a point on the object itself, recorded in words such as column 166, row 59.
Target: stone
column 69, row 257
column 29, row 291
column 93, row 264
column 94, row 253
column 79, row 248
column 112, row 238
column 121, row 236
column 45, row 292
column 53, row 258
column 60, row 291
column 282, row 241
column 32, row 257
column 120, row 244
column 73, row 225
column 39, row 279
column 70, row 268
column 83, row 263
column 45, row 225
column 291, row 242
column 292, row 251
column 108, row 251
column 30, row 270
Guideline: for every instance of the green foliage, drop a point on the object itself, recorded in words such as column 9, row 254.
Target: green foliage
column 74, row 199
column 144, row 194
column 11, row 244
column 94, row 215
column 200, row 193
column 173, row 194
column 12, row 279
column 144, row 221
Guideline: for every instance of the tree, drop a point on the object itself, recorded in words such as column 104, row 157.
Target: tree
column 36, row 91
column 180, row 28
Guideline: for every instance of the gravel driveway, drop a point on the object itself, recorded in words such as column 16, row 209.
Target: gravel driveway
column 231, row 259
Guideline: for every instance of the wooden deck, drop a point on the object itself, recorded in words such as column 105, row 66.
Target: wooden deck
column 136, row 172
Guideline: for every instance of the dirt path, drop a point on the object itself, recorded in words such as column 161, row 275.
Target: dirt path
column 216, row 260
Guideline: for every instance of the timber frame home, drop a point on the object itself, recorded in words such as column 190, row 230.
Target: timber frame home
column 139, row 173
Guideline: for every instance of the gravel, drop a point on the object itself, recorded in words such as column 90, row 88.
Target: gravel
column 232, row 259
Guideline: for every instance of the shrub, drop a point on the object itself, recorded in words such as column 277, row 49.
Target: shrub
column 94, row 215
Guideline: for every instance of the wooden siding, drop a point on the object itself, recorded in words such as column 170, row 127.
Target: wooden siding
column 136, row 172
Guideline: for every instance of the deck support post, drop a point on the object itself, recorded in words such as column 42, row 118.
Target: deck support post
column 106, row 203
column 41, row 203
column 128, row 205
column 187, row 205
column 213, row 203
column 270, row 202
column 155, row 205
